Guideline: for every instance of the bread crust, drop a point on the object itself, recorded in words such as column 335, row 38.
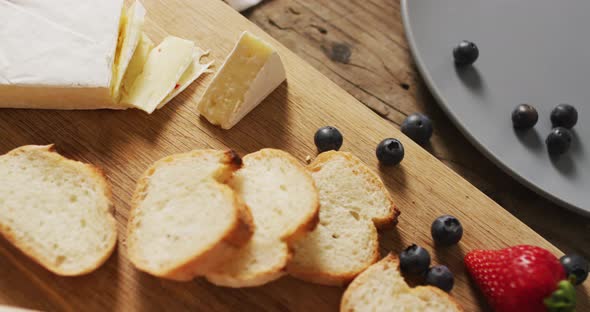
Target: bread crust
column 97, row 175
column 386, row 262
column 326, row 278
column 330, row 279
column 252, row 280
column 228, row 243
column 236, row 236
column 390, row 220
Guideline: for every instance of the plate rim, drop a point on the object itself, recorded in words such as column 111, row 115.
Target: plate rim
column 480, row 147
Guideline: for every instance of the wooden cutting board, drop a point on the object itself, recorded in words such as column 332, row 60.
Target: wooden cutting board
column 125, row 143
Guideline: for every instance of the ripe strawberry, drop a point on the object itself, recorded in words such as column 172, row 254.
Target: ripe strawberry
column 521, row 278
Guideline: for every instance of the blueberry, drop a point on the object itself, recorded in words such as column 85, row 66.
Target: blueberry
column 564, row 115
column 328, row 138
column 441, row 277
column 524, row 116
column 414, row 259
column 575, row 265
column 558, row 141
column 390, row 152
column 465, row 53
column 418, row 127
column 446, row 230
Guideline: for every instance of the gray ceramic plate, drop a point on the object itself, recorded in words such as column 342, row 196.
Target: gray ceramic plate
column 531, row 51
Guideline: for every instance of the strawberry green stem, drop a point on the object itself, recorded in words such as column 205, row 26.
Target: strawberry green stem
column 563, row 299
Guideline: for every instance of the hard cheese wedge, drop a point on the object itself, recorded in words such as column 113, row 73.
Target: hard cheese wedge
column 135, row 68
column 194, row 71
column 250, row 73
column 131, row 33
column 163, row 68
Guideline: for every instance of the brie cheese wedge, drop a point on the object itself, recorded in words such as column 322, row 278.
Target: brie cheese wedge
column 250, row 73
column 163, row 68
column 132, row 22
column 58, row 54
column 88, row 54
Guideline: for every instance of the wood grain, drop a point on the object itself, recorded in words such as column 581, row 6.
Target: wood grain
column 361, row 46
column 125, row 143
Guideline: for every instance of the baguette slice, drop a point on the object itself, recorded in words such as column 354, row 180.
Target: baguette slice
column 353, row 200
column 382, row 288
column 57, row 211
column 284, row 203
column 184, row 219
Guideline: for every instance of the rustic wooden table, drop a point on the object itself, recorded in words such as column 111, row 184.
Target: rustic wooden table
column 361, row 45
column 358, row 44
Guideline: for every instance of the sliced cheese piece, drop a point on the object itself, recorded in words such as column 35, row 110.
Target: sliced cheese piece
column 58, row 54
column 128, row 42
column 144, row 47
column 164, row 66
column 194, row 71
column 250, row 73
column 121, row 38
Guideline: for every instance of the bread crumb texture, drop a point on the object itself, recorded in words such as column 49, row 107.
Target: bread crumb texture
column 345, row 241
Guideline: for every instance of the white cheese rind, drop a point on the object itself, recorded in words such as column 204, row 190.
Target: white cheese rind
column 58, row 54
column 267, row 80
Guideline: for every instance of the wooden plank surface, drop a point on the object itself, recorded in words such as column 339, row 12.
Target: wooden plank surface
column 126, row 143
